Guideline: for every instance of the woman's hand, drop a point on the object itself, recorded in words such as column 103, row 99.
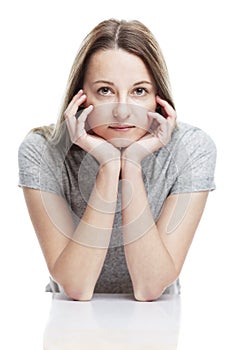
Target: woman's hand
column 158, row 138
column 101, row 150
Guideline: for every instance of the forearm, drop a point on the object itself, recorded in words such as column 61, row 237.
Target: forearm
column 150, row 265
column 78, row 267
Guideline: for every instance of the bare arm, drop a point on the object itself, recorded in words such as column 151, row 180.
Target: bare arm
column 75, row 256
column 154, row 252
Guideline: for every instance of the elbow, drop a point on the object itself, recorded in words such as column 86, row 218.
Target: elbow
column 77, row 294
column 151, row 292
column 74, row 289
column 148, row 295
column 152, row 288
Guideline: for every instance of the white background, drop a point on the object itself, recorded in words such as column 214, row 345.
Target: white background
column 39, row 40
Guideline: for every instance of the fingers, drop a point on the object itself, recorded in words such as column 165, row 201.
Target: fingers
column 82, row 118
column 165, row 126
column 75, row 103
column 76, row 127
column 169, row 110
column 71, row 126
column 158, row 117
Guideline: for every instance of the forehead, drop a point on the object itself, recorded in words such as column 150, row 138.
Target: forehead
column 116, row 63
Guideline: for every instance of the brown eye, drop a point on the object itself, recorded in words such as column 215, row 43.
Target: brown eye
column 104, row 90
column 140, row 91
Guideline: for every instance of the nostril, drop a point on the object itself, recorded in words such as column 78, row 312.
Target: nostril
column 121, row 111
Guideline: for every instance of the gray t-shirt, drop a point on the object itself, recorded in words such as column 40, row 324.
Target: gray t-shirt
column 186, row 164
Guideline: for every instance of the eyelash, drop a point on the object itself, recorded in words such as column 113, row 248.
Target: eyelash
column 141, row 88
column 100, row 90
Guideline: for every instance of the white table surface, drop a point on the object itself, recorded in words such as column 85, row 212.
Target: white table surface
column 113, row 321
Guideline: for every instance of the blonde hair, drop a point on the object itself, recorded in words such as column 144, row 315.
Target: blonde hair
column 131, row 36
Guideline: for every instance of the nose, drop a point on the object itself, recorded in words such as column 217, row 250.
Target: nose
column 121, row 111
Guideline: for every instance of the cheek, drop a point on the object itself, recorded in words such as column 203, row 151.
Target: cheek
column 99, row 117
column 152, row 108
column 100, row 131
column 152, row 104
column 144, row 122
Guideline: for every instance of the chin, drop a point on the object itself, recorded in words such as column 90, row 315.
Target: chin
column 121, row 143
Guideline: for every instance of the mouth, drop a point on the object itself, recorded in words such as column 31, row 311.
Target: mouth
column 122, row 127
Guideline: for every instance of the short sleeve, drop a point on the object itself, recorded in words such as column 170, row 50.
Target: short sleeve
column 195, row 158
column 39, row 165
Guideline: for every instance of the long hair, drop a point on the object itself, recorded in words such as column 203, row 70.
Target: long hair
column 131, row 36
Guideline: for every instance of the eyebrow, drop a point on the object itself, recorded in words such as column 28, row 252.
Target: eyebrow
column 103, row 81
column 111, row 83
column 143, row 82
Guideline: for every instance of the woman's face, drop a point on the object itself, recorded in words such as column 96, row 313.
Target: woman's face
column 122, row 91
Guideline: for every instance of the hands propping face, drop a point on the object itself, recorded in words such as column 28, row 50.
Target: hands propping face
column 159, row 136
column 99, row 148
column 102, row 150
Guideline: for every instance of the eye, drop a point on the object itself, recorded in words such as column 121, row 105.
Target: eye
column 140, row 91
column 104, row 90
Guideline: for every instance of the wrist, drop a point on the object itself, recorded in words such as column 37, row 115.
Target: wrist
column 106, row 186
column 130, row 168
column 111, row 168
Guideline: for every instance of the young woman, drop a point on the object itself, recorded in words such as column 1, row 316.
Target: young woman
column 116, row 189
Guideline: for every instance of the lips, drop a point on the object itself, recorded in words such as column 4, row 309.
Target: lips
column 122, row 127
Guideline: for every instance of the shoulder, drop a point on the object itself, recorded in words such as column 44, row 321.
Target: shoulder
column 32, row 143
column 29, row 159
column 34, row 137
column 40, row 164
column 30, row 152
column 193, row 139
column 187, row 132
column 194, row 154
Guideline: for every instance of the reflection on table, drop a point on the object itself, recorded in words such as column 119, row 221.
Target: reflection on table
column 113, row 321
